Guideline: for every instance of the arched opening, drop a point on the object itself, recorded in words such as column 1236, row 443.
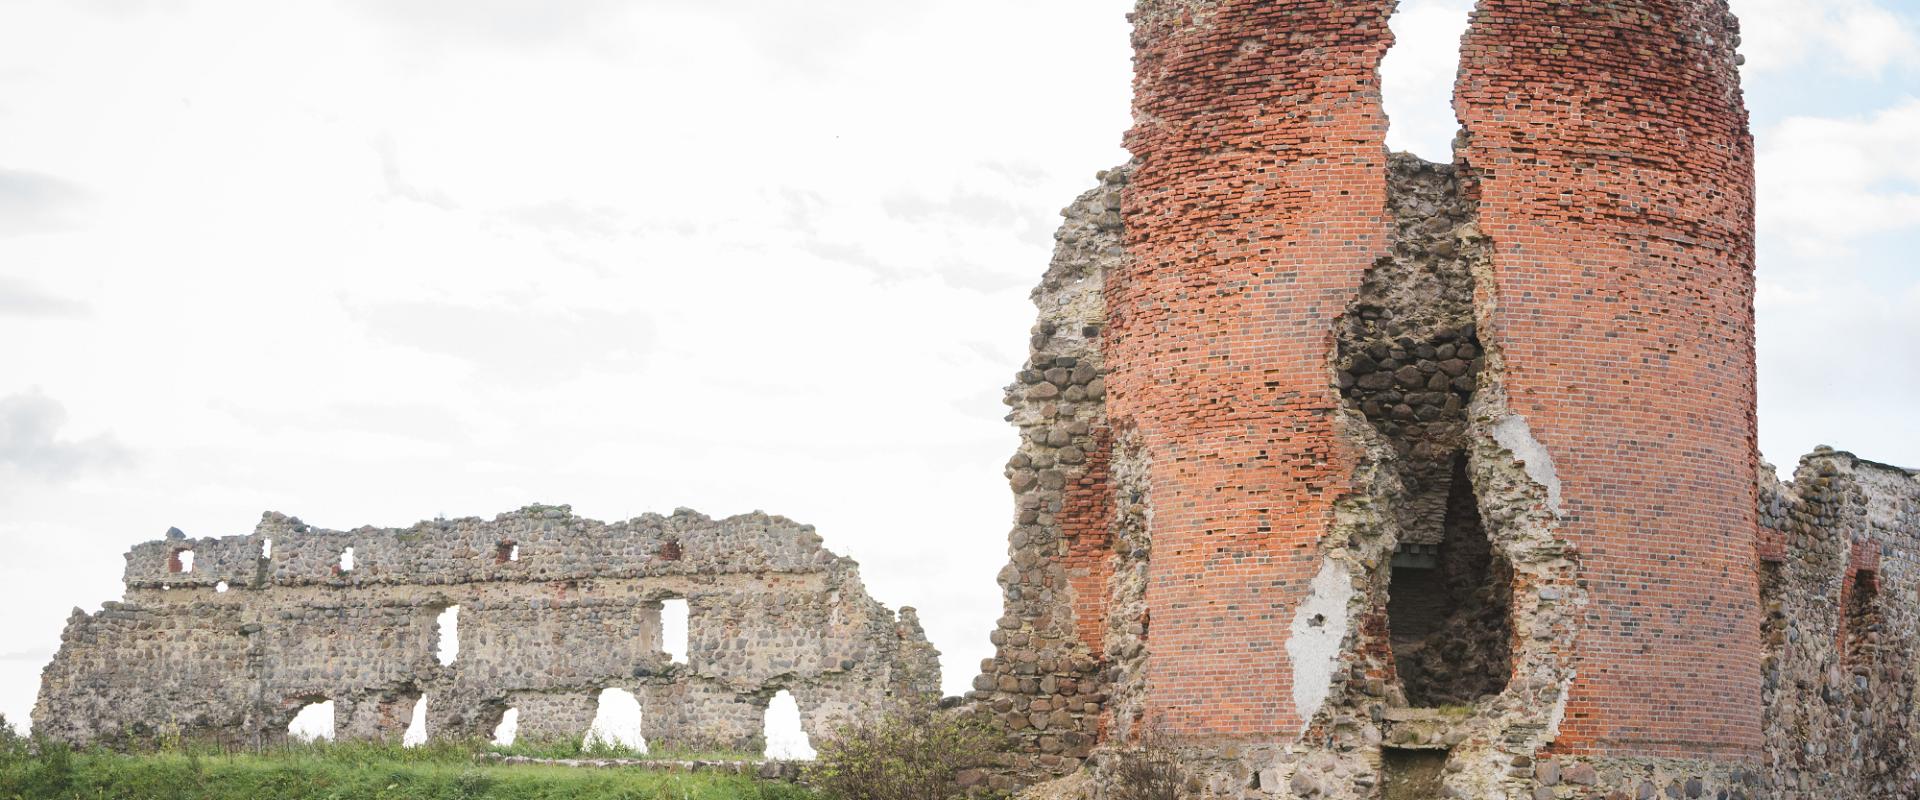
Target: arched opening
column 616, row 723
column 1417, row 76
column 786, row 738
column 508, row 730
column 313, row 723
column 416, row 734
column 674, row 618
column 180, row 561
column 446, row 635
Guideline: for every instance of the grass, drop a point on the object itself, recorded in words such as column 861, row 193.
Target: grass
column 346, row 771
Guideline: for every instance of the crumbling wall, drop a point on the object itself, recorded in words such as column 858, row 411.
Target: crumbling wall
column 553, row 609
column 1046, row 684
column 1840, row 590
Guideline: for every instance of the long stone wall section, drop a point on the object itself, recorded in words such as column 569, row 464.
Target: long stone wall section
column 230, row 642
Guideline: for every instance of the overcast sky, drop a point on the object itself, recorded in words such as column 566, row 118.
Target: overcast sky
column 374, row 262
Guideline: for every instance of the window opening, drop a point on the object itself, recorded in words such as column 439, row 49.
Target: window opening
column 180, row 561
column 508, row 729
column 616, row 723
column 506, row 551
column 220, row 588
column 346, row 560
column 416, row 734
column 786, row 738
column 314, row 722
column 266, row 548
column 446, row 634
column 674, row 618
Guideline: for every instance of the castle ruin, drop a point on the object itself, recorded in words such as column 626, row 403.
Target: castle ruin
column 226, row 639
column 1348, row 475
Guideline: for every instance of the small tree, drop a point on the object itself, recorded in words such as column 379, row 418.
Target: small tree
column 12, row 744
column 904, row 755
column 1149, row 770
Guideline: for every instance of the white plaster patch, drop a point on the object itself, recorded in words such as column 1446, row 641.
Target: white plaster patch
column 1513, row 433
column 1559, row 711
column 1319, row 628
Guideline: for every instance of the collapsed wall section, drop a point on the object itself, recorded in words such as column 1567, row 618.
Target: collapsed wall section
column 553, row 609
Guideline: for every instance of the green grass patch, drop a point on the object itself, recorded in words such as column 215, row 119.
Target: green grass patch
column 348, row 771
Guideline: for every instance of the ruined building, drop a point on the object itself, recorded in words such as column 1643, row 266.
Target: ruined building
column 1349, row 475
column 226, row 639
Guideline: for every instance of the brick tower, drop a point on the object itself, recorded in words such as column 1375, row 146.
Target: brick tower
column 1345, row 474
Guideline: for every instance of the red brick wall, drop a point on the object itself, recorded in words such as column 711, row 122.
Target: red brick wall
column 1256, row 207
column 1616, row 178
column 1086, row 526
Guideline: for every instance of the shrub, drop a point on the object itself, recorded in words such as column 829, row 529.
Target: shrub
column 1148, row 771
column 905, row 755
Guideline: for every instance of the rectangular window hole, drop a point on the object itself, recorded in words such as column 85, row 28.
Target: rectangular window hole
column 673, row 629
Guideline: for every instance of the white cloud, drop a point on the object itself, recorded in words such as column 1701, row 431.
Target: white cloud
column 1833, row 369
column 1824, row 183
column 1859, row 37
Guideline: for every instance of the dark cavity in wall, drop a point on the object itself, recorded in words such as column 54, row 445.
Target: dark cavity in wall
column 1861, row 628
column 1409, row 361
column 1412, row 774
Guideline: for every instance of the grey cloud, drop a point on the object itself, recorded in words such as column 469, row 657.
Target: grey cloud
column 31, row 447
column 516, row 343
column 21, row 299
column 33, row 202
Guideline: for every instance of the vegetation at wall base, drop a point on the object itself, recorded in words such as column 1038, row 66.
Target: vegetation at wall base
column 45, row 770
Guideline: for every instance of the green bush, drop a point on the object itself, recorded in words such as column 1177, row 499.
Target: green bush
column 904, row 756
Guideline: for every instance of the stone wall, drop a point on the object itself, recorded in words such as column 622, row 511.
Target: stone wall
column 229, row 642
column 1840, row 587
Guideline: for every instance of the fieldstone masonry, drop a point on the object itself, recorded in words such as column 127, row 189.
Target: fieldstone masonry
column 1348, row 475
column 228, row 638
